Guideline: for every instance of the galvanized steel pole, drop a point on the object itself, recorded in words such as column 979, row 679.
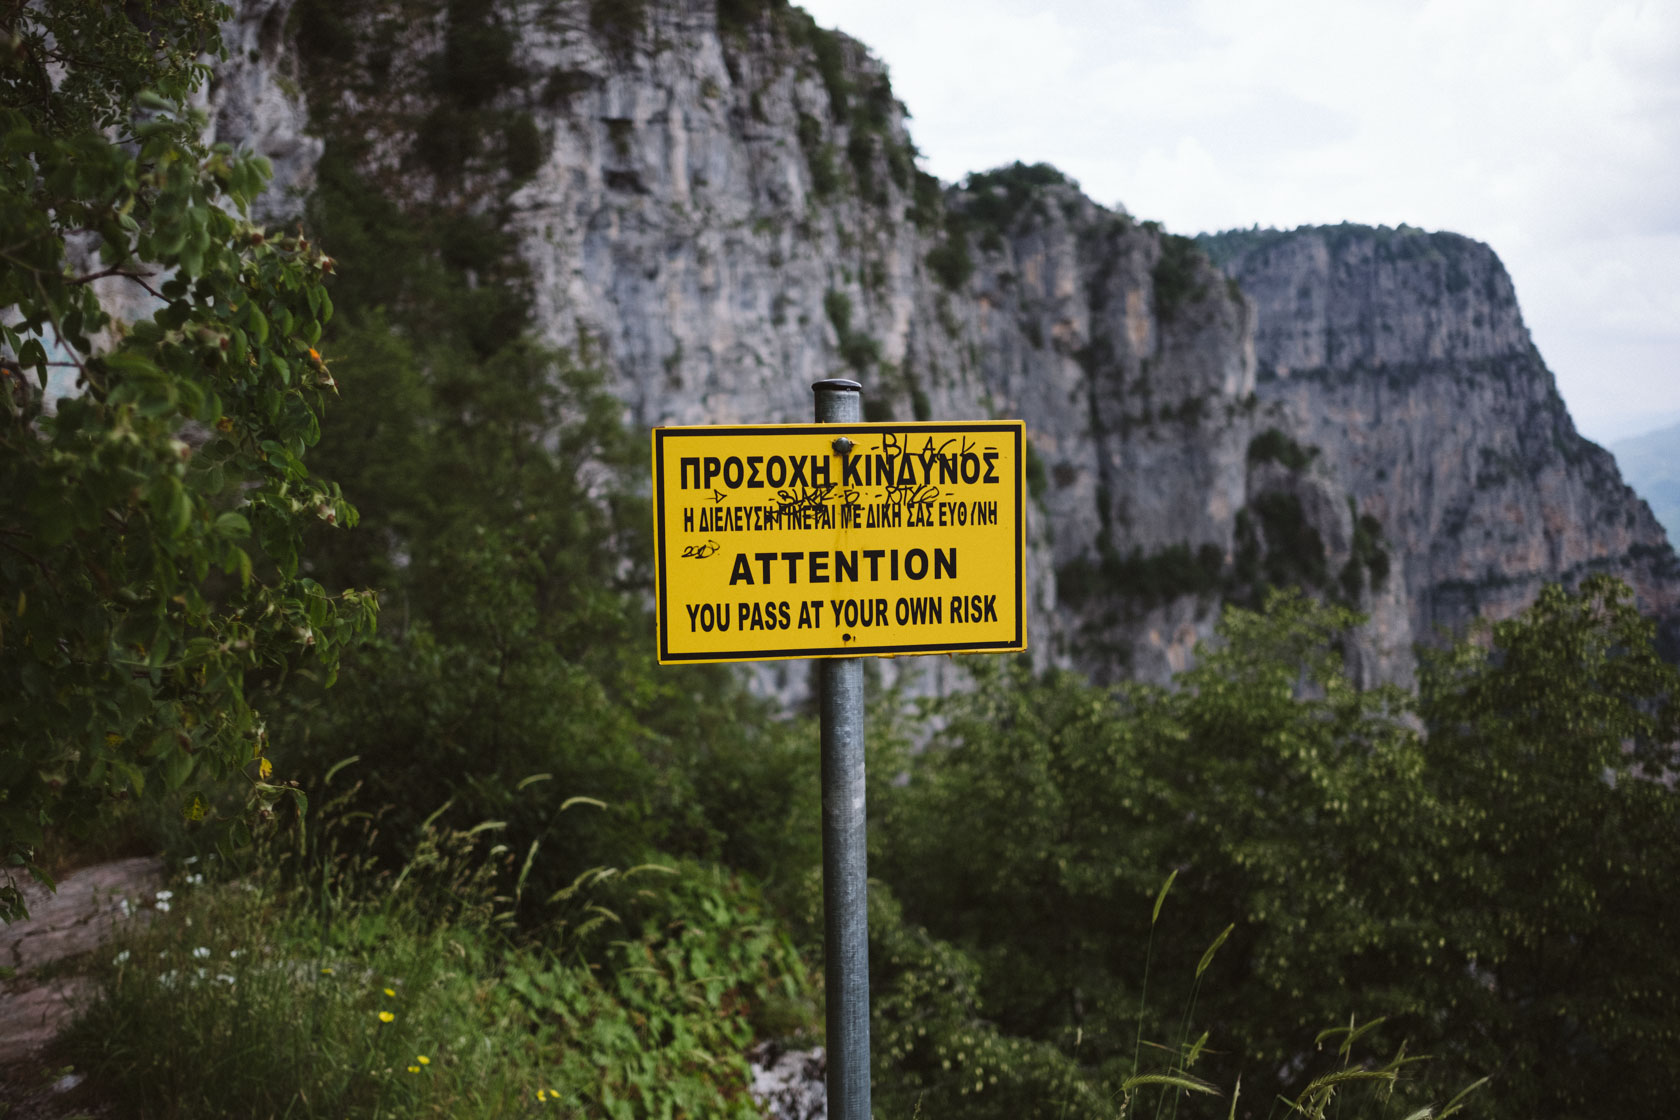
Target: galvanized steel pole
column 845, row 854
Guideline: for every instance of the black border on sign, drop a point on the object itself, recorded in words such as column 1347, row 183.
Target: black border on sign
column 1016, row 427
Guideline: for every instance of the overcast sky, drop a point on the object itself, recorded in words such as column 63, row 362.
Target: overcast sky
column 1549, row 129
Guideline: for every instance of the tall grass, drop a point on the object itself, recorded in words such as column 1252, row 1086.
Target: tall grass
column 1354, row 1085
column 322, row 986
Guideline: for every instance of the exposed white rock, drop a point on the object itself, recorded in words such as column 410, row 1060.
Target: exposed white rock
column 254, row 103
column 788, row 1084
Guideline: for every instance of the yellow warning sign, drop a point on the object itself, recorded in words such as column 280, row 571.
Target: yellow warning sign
column 839, row 540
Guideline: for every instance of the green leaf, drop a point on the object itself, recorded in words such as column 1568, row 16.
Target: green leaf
column 1170, row 1081
column 1161, row 896
column 581, row 800
column 1207, row 957
column 232, row 525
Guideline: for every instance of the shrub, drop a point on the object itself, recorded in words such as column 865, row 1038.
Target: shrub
column 950, row 262
column 476, row 63
column 995, row 199
column 1177, row 276
column 819, row 156
column 620, row 22
column 1273, row 446
column 523, row 142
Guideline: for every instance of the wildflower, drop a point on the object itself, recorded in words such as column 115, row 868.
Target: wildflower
column 386, row 1016
column 162, row 901
column 225, row 978
column 235, row 954
column 326, row 972
column 120, row 958
column 201, row 953
column 422, row 1059
column 122, row 904
column 391, row 992
column 542, row 1095
column 414, row 1069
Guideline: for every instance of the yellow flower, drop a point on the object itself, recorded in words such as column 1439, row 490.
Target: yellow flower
column 423, row 1060
column 414, row 1069
column 326, row 972
column 542, row 1095
column 386, row 1016
column 264, row 769
column 391, row 992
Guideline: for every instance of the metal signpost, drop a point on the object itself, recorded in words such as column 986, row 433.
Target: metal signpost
column 840, row 540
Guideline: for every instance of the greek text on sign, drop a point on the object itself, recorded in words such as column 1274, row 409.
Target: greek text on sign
column 839, row 540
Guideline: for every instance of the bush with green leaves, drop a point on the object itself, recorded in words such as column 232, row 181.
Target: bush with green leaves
column 1480, row 869
column 151, row 521
column 1554, row 739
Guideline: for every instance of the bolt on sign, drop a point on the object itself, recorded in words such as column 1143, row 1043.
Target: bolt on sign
column 839, row 540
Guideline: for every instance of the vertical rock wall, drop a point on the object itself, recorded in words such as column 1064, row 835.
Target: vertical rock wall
column 1403, row 356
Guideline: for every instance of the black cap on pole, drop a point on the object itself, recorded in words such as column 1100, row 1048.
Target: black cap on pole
column 836, row 385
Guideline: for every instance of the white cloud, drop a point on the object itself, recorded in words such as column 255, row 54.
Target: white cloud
column 1549, row 129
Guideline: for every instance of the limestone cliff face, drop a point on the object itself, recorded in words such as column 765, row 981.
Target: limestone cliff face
column 722, row 207
column 1403, row 356
column 254, row 102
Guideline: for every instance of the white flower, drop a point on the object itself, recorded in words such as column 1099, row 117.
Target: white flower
column 122, row 904
column 201, row 953
column 120, row 958
column 194, row 880
column 165, row 896
column 224, row 978
column 162, row 907
column 236, row 953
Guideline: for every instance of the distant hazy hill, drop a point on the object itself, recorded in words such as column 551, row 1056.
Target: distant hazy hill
column 1651, row 465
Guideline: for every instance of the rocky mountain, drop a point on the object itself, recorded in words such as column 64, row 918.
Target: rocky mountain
column 719, row 201
column 1403, row 357
column 1651, row 464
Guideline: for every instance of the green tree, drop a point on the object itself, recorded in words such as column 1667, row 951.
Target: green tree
column 152, row 514
column 1555, row 739
column 1487, row 867
column 1287, row 800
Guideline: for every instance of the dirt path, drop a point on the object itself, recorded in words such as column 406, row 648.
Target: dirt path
column 41, row 999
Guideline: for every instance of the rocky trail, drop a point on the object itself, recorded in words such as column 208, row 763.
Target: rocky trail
column 48, row 953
